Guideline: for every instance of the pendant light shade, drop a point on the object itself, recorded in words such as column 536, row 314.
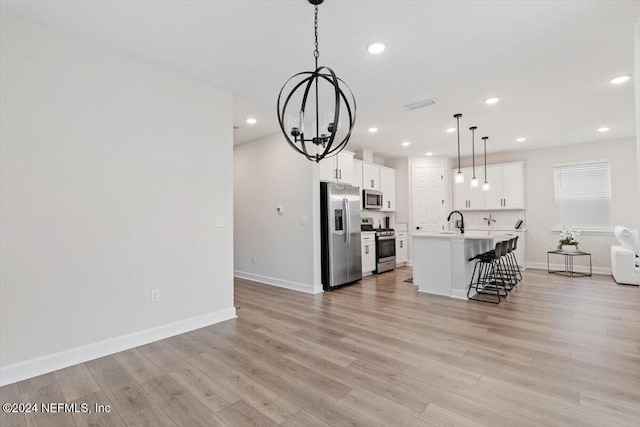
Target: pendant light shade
column 459, row 175
column 333, row 117
column 485, row 184
column 474, row 180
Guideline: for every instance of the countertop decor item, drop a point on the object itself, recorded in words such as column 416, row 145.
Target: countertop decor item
column 568, row 242
column 325, row 136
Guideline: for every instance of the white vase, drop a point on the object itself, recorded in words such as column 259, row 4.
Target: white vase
column 569, row 248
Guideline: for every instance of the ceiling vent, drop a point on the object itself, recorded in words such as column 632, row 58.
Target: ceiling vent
column 420, row 104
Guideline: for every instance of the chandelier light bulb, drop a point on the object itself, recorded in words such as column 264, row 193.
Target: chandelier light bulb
column 485, row 186
column 474, row 182
column 459, row 178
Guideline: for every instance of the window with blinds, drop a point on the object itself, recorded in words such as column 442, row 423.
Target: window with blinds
column 583, row 196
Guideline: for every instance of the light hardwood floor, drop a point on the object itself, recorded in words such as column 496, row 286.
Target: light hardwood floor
column 558, row 351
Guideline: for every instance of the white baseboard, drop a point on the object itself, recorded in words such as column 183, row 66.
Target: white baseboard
column 273, row 281
column 459, row 294
column 41, row 365
column 577, row 268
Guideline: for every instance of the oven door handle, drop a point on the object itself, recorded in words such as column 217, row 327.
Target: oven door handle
column 386, row 237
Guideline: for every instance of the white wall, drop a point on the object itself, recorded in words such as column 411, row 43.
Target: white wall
column 269, row 173
column 636, row 78
column 539, row 198
column 112, row 172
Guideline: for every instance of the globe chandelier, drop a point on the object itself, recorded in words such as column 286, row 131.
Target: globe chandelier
column 300, row 97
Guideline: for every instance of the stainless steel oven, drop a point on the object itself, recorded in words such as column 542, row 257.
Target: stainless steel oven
column 385, row 250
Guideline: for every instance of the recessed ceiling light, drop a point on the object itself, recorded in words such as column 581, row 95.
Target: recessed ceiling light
column 251, row 121
column 603, row 129
column 492, row 100
column 429, row 153
column 451, row 130
column 375, row 48
column 406, row 144
column 521, row 139
column 373, row 130
column 619, row 80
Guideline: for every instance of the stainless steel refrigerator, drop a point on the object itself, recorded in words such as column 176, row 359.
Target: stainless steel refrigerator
column 340, row 225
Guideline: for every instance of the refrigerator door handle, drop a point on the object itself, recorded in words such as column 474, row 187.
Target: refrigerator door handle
column 347, row 230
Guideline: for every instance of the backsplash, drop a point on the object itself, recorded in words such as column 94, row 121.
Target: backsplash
column 378, row 217
column 505, row 220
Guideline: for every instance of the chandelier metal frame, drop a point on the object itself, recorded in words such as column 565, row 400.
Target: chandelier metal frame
column 327, row 141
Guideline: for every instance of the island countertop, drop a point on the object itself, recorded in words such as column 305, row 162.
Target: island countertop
column 451, row 235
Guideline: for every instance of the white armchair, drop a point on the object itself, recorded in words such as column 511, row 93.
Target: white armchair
column 625, row 264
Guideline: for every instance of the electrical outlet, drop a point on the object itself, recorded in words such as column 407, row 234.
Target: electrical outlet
column 253, row 259
column 155, row 295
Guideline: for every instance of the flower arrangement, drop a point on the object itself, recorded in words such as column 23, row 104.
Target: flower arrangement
column 568, row 237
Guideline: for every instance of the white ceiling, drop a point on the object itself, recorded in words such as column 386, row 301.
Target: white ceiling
column 549, row 61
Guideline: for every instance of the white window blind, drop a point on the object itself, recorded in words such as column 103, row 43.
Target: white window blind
column 583, row 196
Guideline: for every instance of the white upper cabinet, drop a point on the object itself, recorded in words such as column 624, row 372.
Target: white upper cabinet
column 388, row 189
column 370, row 177
column 493, row 197
column 513, row 186
column 506, row 188
column 338, row 168
column 466, row 197
column 356, row 178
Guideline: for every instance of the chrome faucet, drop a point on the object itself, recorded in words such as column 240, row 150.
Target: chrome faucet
column 461, row 220
column 489, row 220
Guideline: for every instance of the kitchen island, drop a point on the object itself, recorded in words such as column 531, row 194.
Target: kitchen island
column 441, row 263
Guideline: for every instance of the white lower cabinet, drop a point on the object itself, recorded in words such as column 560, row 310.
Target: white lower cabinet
column 368, row 248
column 402, row 254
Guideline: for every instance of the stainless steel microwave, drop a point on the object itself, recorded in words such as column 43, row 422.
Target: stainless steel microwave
column 371, row 199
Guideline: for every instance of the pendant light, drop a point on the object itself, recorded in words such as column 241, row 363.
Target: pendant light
column 459, row 175
column 326, row 125
column 485, row 184
column 474, row 180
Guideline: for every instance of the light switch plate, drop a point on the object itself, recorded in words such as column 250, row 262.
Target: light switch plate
column 304, row 220
column 219, row 221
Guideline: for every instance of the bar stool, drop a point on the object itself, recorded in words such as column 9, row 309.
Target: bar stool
column 515, row 260
column 511, row 263
column 491, row 277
